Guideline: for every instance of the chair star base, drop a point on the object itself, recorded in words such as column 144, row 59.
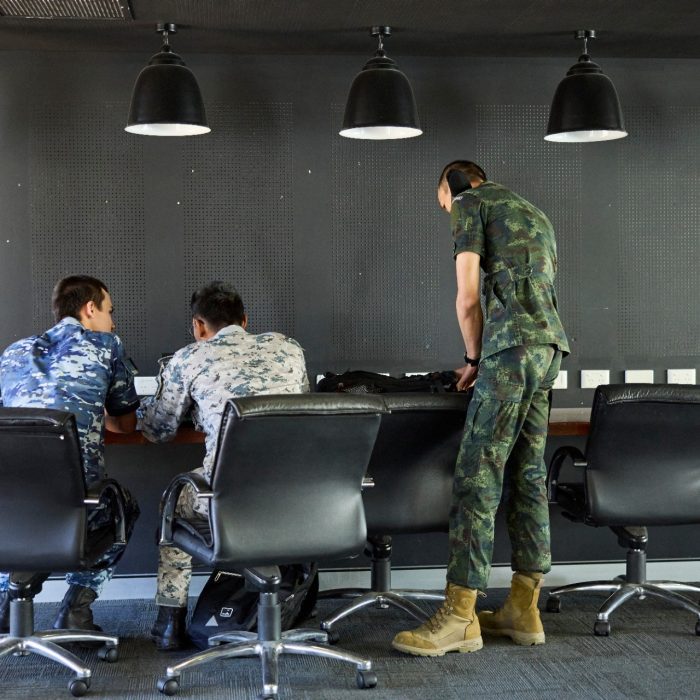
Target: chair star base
column 23, row 640
column 268, row 644
column 621, row 591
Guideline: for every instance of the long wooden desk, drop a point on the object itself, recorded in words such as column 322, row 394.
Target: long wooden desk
column 563, row 421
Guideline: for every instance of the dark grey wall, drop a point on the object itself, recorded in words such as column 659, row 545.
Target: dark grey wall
column 337, row 242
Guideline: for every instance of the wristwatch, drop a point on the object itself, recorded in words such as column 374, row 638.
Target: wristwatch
column 472, row 362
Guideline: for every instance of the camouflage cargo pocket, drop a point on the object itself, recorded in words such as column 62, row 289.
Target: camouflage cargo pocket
column 492, row 414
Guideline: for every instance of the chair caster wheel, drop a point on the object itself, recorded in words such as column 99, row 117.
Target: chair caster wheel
column 168, row 686
column 601, row 628
column 108, row 654
column 553, row 604
column 697, row 628
column 366, row 679
column 333, row 637
column 78, row 687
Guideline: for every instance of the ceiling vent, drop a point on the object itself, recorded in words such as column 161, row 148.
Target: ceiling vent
column 66, row 9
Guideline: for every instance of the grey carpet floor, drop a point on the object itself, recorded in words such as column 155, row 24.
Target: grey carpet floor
column 652, row 653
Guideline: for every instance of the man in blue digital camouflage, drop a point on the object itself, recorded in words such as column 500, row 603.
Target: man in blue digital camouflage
column 77, row 366
column 513, row 353
column 225, row 362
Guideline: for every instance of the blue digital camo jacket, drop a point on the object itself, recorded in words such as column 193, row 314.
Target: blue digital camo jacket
column 71, row 368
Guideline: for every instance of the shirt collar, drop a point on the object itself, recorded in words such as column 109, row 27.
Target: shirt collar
column 229, row 330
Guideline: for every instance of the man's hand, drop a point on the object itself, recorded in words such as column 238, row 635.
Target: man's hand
column 121, row 424
column 466, row 376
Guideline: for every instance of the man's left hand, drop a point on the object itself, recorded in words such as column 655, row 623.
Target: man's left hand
column 466, row 376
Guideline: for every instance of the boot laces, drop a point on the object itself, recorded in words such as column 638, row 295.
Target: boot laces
column 436, row 622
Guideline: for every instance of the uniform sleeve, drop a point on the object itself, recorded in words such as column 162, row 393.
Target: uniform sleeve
column 468, row 226
column 160, row 416
column 121, row 394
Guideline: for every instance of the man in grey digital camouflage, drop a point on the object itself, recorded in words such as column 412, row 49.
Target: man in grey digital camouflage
column 225, row 362
column 513, row 354
column 79, row 366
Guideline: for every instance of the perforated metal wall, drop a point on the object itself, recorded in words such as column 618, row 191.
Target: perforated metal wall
column 659, row 232
column 238, row 224
column 511, row 149
column 385, row 252
column 87, row 207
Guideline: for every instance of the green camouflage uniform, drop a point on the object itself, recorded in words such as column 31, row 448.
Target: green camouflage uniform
column 198, row 381
column 502, row 451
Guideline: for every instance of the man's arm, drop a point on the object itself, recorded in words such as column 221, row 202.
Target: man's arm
column 121, row 401
column 469, row 315
column 160, row 416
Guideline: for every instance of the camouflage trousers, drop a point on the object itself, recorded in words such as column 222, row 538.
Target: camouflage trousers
column 99, row 518
column 502, row 458
column 174, row 565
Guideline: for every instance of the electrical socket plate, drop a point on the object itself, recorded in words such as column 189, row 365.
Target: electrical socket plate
column 639, row 376
column 562, row 380
column 146, row 386
column 681, row 376
column 592, row 378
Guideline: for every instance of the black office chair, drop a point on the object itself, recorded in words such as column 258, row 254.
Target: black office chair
column 286, row 487
column 412, row 467
column 641, row 467
column 43, row 514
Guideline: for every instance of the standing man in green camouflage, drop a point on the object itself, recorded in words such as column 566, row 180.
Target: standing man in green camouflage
column 513, row 354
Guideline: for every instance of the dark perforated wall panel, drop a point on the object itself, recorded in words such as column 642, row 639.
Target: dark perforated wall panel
column 658, row 244
column 385, row 253
column 510, row 148
column 87, row 210
column 238, row 224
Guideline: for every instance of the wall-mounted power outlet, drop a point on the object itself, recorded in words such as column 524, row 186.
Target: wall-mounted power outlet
column 639, row 376
column 591, row 378
column 562, row 380
column 146, row 386
column 681, row 376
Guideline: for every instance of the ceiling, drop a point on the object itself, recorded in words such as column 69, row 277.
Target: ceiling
column 626, row 28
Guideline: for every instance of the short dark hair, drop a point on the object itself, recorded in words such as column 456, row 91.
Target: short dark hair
column 72, row 293
column 471, row 170
column 219, row 305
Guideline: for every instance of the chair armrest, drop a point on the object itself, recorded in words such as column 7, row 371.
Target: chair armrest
column 578, row 459
column 168, row 501
column 110, row 488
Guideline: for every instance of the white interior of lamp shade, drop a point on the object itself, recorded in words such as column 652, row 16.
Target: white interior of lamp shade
column 378, row 133
column 586, row 136
column 167, row 129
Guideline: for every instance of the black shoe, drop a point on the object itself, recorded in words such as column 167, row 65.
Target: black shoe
column 4, row 612
column 75, row 612
column 169, row 632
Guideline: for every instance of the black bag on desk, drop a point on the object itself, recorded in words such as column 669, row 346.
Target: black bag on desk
column 361, row 382
column 225, row 605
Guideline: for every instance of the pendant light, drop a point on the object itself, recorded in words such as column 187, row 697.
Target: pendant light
column 380, row 103
column 585, row 106
column 166, row 100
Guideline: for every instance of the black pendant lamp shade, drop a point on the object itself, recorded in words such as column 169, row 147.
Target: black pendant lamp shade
column 585, row 105
column 166, row 100
column 381, row 103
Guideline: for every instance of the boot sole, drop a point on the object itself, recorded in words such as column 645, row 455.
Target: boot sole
column 461, row 647
column 524, row 639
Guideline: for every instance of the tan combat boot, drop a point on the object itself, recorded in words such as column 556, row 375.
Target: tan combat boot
column 519, row 617
column 454, row 627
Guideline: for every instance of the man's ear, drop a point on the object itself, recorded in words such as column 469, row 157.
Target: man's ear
column 198, row 328
column 89, row 309
column 244, row 322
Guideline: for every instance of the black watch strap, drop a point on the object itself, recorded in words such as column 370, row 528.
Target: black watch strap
column 472, row 362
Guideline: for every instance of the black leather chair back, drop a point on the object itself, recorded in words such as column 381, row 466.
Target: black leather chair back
column 42, row 487
column 287, row 478
column 413, row 463
column 643, row 455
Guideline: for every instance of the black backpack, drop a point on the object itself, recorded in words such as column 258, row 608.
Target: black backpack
column 361, row 382
column 226, row 605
